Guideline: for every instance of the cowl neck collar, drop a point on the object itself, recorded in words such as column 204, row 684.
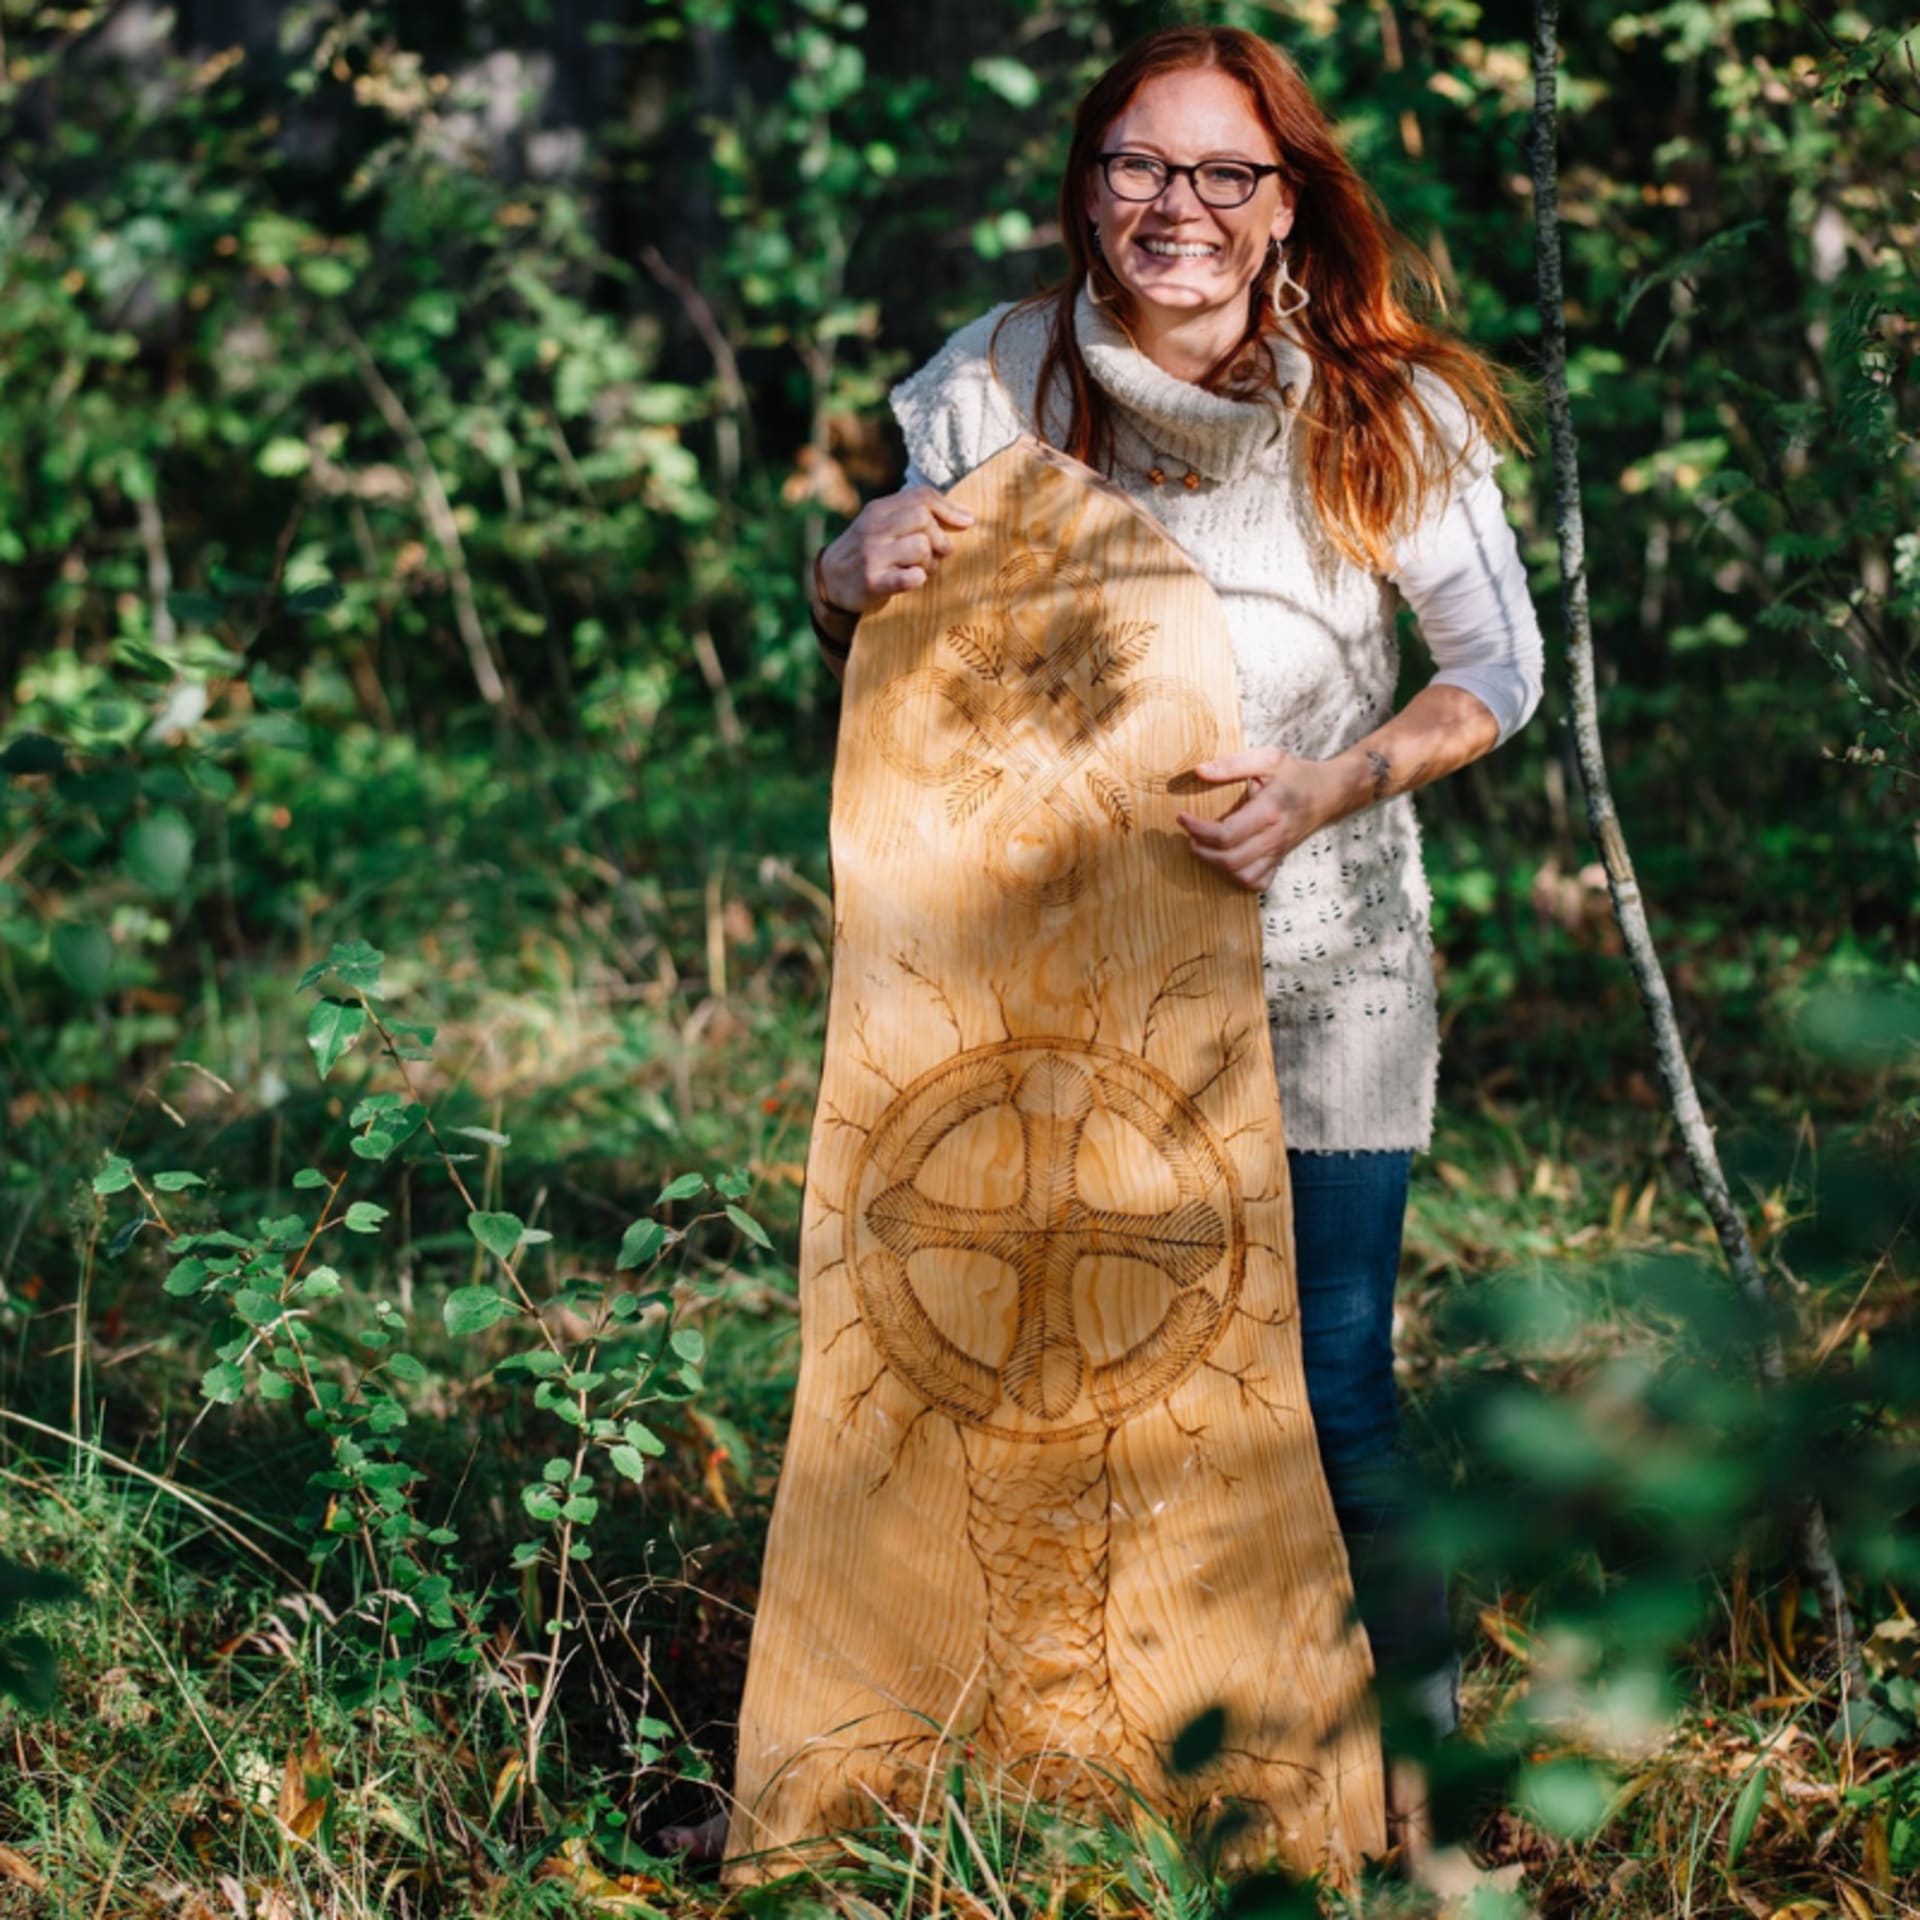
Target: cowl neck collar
column 1218, row 437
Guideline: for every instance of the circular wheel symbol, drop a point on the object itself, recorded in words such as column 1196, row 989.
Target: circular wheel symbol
column 1045, row 1237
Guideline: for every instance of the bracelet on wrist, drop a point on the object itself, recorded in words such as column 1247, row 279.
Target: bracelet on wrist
column 823, row 599
column 837, row 650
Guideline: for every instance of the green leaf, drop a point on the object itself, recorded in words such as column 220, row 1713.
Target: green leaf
column 499, row 1233
column 321, row 596
column 683, row 1188
column 372, row 1146
column 643, row 1438
column 642, row 1241
column 177, row 1182
column 193, row 608
column 583, row 1509
column 1864, row 1723
column 415, row 1041
column 540, row 1502
column 1199, row 1740
column 364, row 1217
column 83, row 958
column 486, row 1136
column 187, row 1277
column 223, row 1383
column 273, row 691
column 1015, row 82
column 255, row 1308
column 334, row 1027
column 690, row 1344
column 1746, row 1810
column 403, row 1366
column 627, row 1460
column 474, row 1309
column 143, row 660
column 283, row 457
column 352, row 962
column 1567, row 1797
column 194, row 1242
column 749, row 1226
column 129, row 1232
column 734, row 1184
column 32, row 753
column 1686, row 266
column 159, row 851
column 327, row 275
column 310, row 1177
column 1277, row 1896
column 226, row 580
column 321, row 1284
column 115, row 1177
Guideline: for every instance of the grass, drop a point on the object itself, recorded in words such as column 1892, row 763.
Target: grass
column 201, row 1754
column 1651, row 1714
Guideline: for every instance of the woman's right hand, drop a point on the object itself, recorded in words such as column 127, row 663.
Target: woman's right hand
column 894, row 545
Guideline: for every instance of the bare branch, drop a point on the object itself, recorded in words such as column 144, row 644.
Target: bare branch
column 1629, row 907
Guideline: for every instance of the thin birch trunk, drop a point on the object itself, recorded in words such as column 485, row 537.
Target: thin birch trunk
column 1815, row 1546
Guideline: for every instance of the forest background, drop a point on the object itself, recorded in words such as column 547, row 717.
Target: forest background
column 414, row 422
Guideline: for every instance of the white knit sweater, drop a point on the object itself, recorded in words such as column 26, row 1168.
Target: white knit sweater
column 1347, row 948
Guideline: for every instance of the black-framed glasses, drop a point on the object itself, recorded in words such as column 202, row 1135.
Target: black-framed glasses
column 1218, row 183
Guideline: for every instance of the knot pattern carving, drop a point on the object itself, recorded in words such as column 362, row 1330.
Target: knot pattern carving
column 1042, row 728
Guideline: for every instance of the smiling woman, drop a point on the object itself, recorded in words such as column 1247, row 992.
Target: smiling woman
column 1186, row 205
column 1240, row 346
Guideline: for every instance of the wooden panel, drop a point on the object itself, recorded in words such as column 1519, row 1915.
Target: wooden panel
column 1051, row 1487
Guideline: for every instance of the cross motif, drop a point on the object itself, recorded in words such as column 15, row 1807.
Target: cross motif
column 1054, row 1088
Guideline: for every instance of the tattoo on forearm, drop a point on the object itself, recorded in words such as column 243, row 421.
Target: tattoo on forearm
column 1386, row 782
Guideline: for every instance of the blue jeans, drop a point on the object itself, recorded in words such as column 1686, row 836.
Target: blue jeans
column 1349, row 1210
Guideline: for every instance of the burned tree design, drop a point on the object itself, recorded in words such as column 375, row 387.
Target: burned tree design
column 1039, row 1508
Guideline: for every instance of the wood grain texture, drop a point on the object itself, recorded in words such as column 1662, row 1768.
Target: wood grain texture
column 1051, row 1487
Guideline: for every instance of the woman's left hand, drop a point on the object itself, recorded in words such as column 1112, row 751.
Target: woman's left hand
column 1288, row 799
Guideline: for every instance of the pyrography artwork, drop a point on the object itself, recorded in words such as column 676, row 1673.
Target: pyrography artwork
column 1051, row 1491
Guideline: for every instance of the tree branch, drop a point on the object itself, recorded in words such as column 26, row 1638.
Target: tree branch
column 1814, row 1543
column 439, row 510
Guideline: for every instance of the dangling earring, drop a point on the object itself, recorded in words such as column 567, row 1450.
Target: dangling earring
column 1286, row 287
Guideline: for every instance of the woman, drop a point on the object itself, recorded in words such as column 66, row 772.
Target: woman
column 1233, row 347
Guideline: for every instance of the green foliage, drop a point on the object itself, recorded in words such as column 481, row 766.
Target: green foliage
column 282, row 1317
column 27, row 1659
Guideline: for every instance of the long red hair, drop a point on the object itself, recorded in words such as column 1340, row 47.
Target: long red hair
column 1373, row 455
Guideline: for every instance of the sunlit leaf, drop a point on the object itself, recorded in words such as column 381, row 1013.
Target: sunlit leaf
column 499, row 1233
column 474, row 1309
column 749, row 1226
column 332, row 1028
